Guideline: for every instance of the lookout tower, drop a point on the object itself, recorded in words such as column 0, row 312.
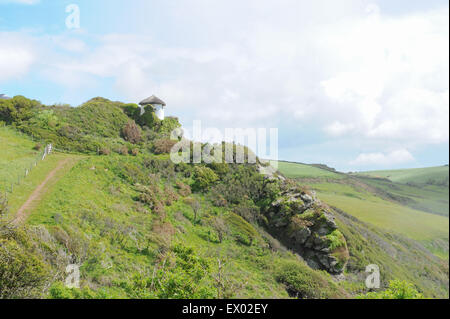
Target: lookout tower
column 157, row 104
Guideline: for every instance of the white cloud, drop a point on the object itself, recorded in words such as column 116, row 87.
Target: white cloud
column 394, row 79
column 16, row 56
column 390, row 159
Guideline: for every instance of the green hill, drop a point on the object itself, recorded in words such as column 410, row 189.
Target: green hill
column 110, row 201
column 416, row 176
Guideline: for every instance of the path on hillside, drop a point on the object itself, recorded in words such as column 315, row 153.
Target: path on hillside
column 37, row 194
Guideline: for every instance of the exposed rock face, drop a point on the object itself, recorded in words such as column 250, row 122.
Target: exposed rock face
column 307, row 226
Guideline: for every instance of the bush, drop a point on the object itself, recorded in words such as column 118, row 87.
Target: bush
column 17, row 109
column 123, row 150
column 171, row 196
column 243, row 232
column 304, row 283
column 204, row 177
column 22, row 273
column 132, row 132
column 163, row 146
column 183, row 189
column 397, row 290
column 105, row 151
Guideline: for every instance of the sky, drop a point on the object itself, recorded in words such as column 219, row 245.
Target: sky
column 354, row 84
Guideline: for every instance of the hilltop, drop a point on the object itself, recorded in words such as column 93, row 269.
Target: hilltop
column 110, row 201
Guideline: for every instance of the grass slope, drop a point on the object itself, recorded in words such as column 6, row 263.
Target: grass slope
column 17, row 155
column 296, row 170
column 118, row 238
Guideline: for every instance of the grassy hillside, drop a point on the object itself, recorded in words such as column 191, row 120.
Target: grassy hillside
column 416, row 176
column 140, row 226
column 16, row 155
column 297, row 170
column 428, row 198
column 402, row 209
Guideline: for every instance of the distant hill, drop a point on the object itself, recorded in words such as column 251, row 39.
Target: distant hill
column 437, row 175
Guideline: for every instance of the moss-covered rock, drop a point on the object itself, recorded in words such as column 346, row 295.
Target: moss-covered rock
column 307, row 226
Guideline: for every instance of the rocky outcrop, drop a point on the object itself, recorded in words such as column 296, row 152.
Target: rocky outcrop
column 307, row 226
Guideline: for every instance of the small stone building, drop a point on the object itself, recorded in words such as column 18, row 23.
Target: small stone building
column 157, row 104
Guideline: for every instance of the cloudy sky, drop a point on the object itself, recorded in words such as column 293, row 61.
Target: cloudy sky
column 355, row 84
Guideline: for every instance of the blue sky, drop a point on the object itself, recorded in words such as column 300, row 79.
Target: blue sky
column 355, row 84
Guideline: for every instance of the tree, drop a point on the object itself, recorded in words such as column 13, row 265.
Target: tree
column 220, row 227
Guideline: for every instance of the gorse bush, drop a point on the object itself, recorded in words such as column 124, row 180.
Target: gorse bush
column 204, row 177
column 303, row 283
column 397, row 289
column 23, row 273
column 18, row 109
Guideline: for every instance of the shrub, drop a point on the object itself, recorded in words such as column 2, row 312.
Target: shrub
column 166, row 126
column 304, row 283
column 397, row 290
column 163, row 146
column 171, row 196
column 105, row 151
column 244, row 232
column 22, row 273
column 204, row 177
column 220, row 227
column 247, row 210
column 183, row 189
column 123, row 150
column 132, row 132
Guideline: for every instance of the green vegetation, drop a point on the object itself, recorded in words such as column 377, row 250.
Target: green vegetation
column 143, row 227
column 397, row 290
column 16, row 155
column 403, row 209
column 296, row 170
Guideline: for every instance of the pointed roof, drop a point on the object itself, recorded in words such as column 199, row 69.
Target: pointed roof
column 4, row 97
column 152, row 100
